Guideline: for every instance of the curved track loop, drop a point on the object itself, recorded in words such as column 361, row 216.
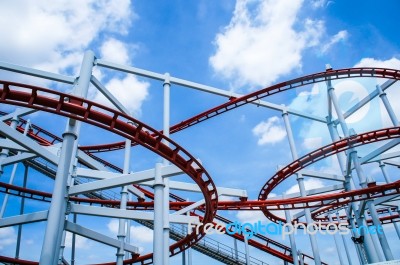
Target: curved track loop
column 323, row 152
column 269, row 246
column 234, row 103
column 384, row 219
column 125, row 126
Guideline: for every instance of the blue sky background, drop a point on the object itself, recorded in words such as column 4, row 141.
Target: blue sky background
column 240, row 46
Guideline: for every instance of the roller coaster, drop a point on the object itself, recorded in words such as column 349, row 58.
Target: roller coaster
column 82, row 177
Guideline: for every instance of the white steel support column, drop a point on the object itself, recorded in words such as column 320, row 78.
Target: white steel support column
column 246, row 249
column 388, row 180
column 348, row 186
column 235, row 247
column 341, row 259
column 73, row 247
column 166, row 121
column 189, row 251
column 387, row 105
column 14, row 170
column 371, row 206
column 299, row 254
column 21, row 212
column 300, row 181
column 158, row 239
column 53, row 234
column 346, row 247
column 369, row 249
column 128, row 229
column 4, row 152
column 396, row 226
column 292, row 239
column 124, row 201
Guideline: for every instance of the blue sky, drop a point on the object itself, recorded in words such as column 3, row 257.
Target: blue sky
column 240, row 46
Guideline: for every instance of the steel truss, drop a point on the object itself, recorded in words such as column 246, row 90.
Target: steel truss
column 371, row 203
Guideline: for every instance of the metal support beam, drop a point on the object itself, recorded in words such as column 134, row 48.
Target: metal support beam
column 17, row 113
column 184, row 186
column 37, row 73
column 292, row 239
column 53, row 234
column 6, row 143
column 24, row 219
column 109, row 96
column 204, row 88
column 341, row 259
column 14, row 170
column 346, row 246
column 98, row 237
column 158, row 238
column 126, row 214
column 321, row 175
column 21, row 212
column 112, row 180
column 300, row 181
column 378, row 151
column 28, row 144
column 124, row 200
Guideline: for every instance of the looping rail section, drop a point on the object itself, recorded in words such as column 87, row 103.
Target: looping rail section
column 234, row 103
column 121, row 124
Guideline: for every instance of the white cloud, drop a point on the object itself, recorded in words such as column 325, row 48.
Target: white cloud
column 320, row 3
column 261, row 44
column 139, row 234
column 52, row 35
column 129, row 91
column 312, row 143
column 113, row 226
column 114, row 51
column 7, row 237
column 80, row 242
column 393, row 63
column 250, row 216
column 349, row 91
column 309, row 184
column 340, row 36
column 270, row 131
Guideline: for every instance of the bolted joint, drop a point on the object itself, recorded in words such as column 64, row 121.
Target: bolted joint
column 68, row 133
column 158, row 184
column 167, row 79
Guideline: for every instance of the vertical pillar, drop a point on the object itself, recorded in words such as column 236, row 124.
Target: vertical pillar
column 341, row 260
column 369, row 249
column 396, row 226
column 56, row 217
column 21, row 211
column 189, row 251
column 166, row 121
column 183, row 257
column 128, row 229
column 346, row 247
column 387, row 105
column 388, row 180
column 300, row 182
column 14, row 170
column 347, row 186
column 4, row 152
column 124, row 201
column 371, row 206
column 73, row 242
column 158, row 239
column 301, row 258
column 246, row 249
column 291, row 239
column 235, row 248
